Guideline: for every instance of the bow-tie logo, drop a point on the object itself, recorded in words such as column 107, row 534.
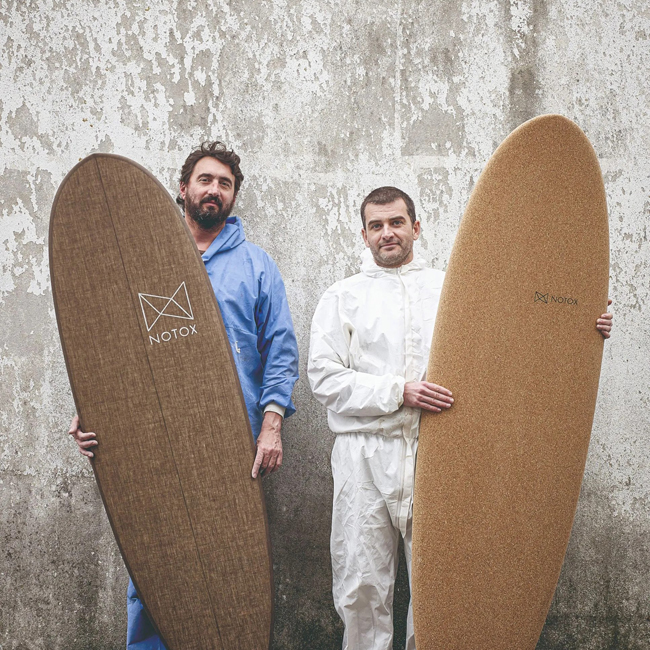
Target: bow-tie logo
column 547, row 299
column 156, row 307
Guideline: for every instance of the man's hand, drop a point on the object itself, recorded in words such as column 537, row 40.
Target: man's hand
column 269, row 445
column 84, row 440
column 428, row 396
column 604, row 323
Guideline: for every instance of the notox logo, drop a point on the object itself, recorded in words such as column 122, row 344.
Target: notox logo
column 547, row 299
column 175, row 306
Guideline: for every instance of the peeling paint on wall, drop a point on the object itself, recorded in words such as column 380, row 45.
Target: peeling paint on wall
column 324, row 100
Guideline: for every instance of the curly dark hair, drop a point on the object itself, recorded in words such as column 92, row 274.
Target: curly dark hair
column 220, row 152
column 384, row 195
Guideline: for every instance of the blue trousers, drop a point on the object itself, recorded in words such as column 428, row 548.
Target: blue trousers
column 140, row 633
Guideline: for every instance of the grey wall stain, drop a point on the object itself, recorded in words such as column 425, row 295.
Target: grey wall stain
column 324, row 101
column 433, row 39
column 527, row 22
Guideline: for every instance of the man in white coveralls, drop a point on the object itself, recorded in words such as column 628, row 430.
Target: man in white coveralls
column 369, row 350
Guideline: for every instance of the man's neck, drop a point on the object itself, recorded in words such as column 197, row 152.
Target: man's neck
column 202, row 237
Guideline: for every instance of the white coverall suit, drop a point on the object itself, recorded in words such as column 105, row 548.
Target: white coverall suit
column 371, row 334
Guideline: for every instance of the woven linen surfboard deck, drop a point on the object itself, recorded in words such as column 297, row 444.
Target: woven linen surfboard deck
column 498, row 475
column 152, row 374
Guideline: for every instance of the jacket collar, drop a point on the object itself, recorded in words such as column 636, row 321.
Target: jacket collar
column 230, row 237
column 370, row 268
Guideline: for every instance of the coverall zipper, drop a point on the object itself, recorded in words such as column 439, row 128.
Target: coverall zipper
column 408, row 357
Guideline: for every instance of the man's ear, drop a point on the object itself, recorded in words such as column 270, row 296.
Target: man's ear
column 182, row 190
column 365, row 237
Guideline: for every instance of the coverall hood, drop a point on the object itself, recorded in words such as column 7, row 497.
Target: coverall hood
column 230, row 237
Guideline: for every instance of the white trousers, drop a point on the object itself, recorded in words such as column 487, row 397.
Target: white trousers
column 372, row 492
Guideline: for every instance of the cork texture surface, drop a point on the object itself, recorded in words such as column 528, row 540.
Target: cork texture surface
column 152, row 374
column 498, row 475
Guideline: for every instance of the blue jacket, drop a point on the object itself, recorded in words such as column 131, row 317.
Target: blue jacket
column 253, row 304
column 254, row 308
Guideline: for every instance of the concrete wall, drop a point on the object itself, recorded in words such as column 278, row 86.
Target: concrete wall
column 324, row 100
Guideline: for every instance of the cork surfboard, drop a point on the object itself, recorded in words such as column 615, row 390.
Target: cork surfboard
column 152, row 374
column 498, row 475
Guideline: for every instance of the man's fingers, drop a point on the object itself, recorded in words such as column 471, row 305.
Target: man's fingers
column 604, row 325
column 425, row 401
column 438, row 398
column 74, row 425
column 259, row 457
column 430, row 407
column 437, row 389
column 270, row 464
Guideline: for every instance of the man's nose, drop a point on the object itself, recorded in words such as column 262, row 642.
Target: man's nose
column 214, row 188
column 386, row 232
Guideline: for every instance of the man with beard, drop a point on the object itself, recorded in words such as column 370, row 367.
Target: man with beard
column 253, row 304
column 368, row 356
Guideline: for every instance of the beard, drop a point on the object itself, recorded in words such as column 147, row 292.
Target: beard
column 393, row 258
column 207, row 217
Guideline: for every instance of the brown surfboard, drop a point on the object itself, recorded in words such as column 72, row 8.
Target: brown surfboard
column 152, row 374
column 498, row 475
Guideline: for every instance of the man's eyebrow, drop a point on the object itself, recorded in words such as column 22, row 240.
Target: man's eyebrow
column 209, row 175
column 396, row 216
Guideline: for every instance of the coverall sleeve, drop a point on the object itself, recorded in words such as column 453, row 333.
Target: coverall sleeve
column 335, row 384
column 276, row 340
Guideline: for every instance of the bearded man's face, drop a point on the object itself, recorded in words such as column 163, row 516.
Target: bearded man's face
column 210, row 193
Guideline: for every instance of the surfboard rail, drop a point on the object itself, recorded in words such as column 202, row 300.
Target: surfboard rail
column 152, row 374
column 498, row 476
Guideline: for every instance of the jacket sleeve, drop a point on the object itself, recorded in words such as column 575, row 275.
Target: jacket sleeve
column 335, row 384
column 276, row 340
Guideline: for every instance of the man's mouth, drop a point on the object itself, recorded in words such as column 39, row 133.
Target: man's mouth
column 212, row 201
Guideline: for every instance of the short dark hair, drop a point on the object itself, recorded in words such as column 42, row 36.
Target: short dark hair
column 220, row 152
column 384, row 195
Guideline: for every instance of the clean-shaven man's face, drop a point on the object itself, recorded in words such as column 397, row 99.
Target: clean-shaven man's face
column 389, row 233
